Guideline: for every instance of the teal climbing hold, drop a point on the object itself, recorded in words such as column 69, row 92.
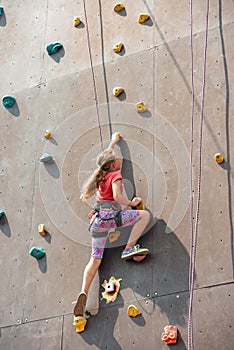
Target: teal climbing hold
column 46, row 158
column 37, row 253
column 2, row 213
column 1, row 11
column 52, row 48
column 8, row 101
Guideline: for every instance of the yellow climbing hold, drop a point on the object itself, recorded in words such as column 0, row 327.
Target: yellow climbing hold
column 76, row 21
column 219, row 158
column 41, row 229
column 133, row 311
column 47, row 134
column 79, row 322
column 119, row 7
column 118, row 47
column 113, row 236
column 143, row 18
column 117, row 91
column 141, row 107
column 140, row 206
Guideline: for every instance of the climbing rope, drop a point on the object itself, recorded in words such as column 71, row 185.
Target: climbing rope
column 194, row 232
column 191, row 135
column 93, row 76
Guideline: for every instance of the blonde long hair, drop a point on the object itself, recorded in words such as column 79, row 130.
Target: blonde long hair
column 104, row 161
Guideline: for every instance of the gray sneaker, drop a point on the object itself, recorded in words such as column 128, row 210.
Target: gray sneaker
column 136, row 250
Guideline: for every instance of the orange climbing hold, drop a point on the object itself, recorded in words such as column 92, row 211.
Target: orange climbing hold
column 119, row 7
column 169, row 336
column 47, row 134
column 133, row 311
column 219, row 158
column 41, row 229
column 143, row 17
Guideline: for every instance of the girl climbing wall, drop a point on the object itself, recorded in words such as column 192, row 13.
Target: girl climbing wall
column 106, row 184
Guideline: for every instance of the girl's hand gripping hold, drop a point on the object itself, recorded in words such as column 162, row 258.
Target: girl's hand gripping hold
column 116, row 137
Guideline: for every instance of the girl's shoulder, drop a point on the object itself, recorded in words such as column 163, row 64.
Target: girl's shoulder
column 113, row 175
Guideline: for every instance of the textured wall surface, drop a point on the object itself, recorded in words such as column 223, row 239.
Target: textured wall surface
column 57, row 93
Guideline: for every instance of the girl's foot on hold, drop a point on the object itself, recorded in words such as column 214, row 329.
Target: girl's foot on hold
column 80, row 304
column 132, row 251
column 139, row 258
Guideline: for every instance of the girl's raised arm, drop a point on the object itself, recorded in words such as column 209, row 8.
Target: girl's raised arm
column 114, row 139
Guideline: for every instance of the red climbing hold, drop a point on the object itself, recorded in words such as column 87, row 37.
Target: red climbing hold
column 170, row 334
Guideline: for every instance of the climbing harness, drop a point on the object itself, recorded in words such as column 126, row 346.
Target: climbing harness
column 194, row 229
column 93, row 76
column 102, row 216
column 103, row 212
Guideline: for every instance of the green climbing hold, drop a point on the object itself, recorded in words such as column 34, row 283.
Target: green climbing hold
column 2, row 213
column 8, row 101
column 1, row 11
column 46, row 158
column 52, row 48
column 37, row 253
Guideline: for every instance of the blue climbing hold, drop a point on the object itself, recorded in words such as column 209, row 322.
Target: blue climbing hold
column 52, row 48
column 1, row 11
column 37, row 253
column 8, row 101
column 2, row 213
column 46, row 158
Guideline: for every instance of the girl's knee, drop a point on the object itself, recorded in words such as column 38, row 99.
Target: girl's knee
column 144, row 214
column 96, row 261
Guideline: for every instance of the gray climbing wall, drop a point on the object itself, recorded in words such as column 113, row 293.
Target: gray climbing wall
column 56, row 93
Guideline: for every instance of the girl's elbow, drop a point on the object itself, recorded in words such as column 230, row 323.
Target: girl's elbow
column 116, row 197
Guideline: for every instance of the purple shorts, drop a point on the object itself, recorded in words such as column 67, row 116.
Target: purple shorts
column 129, row 218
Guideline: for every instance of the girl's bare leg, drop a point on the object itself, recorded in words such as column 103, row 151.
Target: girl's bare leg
column 90, row 272
column 138, row 228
